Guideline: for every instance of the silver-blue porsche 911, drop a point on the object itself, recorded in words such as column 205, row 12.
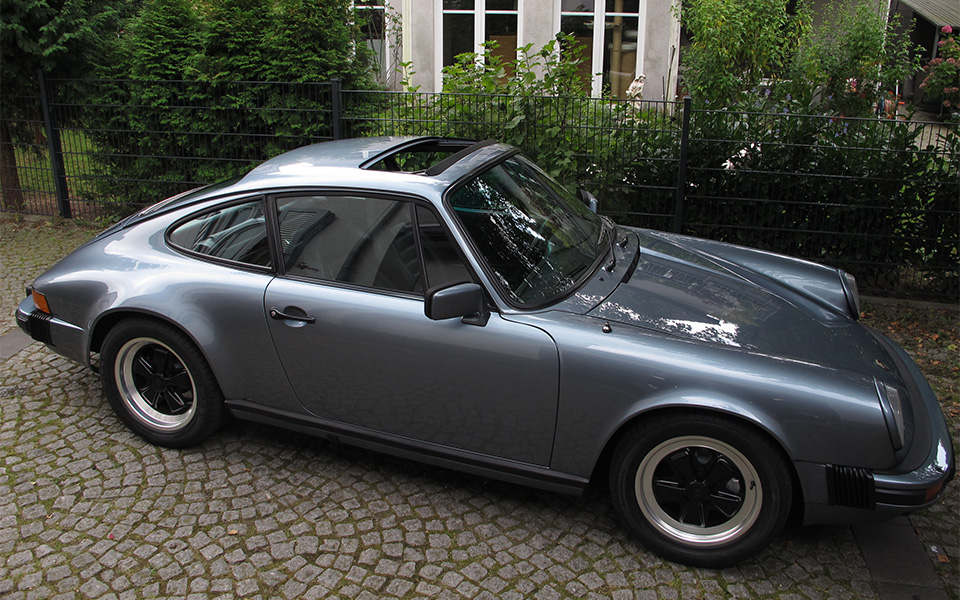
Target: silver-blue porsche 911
column 447, row 301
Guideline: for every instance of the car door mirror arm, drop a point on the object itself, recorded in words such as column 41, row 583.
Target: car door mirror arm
column 589, row 199
column 480, row 319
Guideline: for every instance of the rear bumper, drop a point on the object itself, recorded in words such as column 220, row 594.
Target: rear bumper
column 63, row 338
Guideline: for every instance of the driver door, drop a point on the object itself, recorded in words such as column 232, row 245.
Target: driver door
column 348, row 324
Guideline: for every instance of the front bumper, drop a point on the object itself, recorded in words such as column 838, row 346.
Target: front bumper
column 923, row 484
column 844, row 494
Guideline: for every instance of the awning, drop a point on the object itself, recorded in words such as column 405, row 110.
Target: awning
column 938, row 12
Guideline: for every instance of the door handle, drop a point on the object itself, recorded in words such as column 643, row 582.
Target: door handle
column 276, row 313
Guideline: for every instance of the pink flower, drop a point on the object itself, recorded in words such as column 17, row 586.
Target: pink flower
column 947, row 30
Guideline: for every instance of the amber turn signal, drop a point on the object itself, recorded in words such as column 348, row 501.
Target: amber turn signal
column 40, row 301
column 932, row 492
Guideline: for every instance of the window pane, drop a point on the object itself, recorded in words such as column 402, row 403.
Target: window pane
column 458, row 4
column 364, row 241
column 441, row 261
column 576, row 6
column 502, row 29
column 501, row 5
column 623, row 6
column 237, row 233
column 581, row 28
column 457, row 36
column 620, row 54
column 373, row 25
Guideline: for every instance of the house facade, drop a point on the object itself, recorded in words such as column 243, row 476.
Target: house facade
column 622, row 39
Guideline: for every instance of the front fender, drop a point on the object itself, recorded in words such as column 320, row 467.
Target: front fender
column 608, row 380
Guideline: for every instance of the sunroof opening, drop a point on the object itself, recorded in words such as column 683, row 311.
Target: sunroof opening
column 424, row 156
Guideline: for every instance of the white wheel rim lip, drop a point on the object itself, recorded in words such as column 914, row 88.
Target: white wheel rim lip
column 137, row 405
column 690, row 535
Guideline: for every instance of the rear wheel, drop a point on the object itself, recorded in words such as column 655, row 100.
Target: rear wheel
column 159, row 383
column 700, row 489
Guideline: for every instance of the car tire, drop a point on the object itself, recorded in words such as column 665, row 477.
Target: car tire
column 700, row 489
column 159, row 383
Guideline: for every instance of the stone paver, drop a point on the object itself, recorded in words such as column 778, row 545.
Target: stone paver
column 88, row 510
column 28, row 249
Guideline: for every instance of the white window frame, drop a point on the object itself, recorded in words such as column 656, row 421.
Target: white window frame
column 596, row 53
column 479, row 31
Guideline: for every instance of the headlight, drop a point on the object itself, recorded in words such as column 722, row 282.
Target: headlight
column 892, row 405
column 851, row 292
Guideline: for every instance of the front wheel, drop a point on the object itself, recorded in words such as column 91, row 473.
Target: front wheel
column 700, row 489
column 159, row 383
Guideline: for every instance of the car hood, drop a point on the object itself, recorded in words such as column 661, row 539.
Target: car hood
column 718, row 293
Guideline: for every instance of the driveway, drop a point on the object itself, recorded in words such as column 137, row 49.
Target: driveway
column 88, row 510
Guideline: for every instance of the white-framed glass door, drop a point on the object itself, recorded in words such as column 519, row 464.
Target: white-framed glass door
column 615, row 49
column 464, row 25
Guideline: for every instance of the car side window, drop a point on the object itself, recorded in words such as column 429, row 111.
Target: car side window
column 441, row 261
column 237, row 233
column 367, row 241
column 353, row 239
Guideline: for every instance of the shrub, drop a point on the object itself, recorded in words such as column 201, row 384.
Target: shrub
column 853, row 58
column 943, row 72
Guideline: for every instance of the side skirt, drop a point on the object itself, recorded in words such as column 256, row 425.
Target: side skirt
column 432, row 454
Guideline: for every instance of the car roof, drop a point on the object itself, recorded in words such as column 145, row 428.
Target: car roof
column 356, row 163
column 354, row 152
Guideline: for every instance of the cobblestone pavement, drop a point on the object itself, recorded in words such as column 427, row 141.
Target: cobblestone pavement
column 88, row 510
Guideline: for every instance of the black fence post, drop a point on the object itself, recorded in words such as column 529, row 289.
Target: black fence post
column 682, row 169
column 335, row 107
column 56, row 150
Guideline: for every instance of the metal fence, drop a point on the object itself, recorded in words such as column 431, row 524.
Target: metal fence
column 878, row 198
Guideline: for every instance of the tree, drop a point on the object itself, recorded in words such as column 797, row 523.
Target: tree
column 736, row 44
column 245, row 40
column 58, row 36
column 853, row 58
column 740, row 47
column 162, row 41
column 317, row 40
column 230, row 57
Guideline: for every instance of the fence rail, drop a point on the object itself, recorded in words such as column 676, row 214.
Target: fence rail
column 878, row 198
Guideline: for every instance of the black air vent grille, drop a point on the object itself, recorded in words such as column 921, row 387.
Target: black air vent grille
column 40, row 326
column 850, row 486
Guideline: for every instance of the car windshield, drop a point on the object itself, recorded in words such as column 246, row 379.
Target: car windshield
column 538, row 239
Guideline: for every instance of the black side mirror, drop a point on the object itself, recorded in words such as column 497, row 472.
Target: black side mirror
column 464, row 300
column 589, row 199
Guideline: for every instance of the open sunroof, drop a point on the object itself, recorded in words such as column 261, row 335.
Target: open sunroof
column 429, row 156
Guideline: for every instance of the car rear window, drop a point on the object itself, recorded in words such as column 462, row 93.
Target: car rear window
column 237, row 233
